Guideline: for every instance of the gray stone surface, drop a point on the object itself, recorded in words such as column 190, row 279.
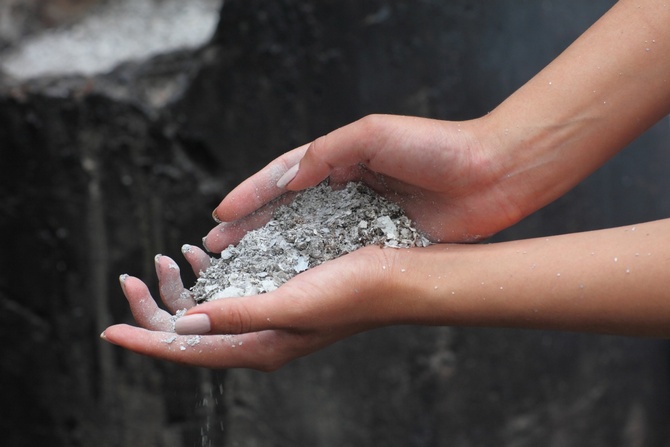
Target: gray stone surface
column 102, row 172
column 109, row 34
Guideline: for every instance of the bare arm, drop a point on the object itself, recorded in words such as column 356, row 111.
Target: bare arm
column 610, row 281
column 607, row 88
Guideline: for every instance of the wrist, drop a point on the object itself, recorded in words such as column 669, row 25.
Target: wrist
column 529, row 160
column 584, row 107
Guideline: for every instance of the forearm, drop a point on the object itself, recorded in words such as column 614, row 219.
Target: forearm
column 607, row 88
column 610, row 281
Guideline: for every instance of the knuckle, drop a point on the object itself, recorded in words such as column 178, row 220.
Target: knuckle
column 372, row 125
column 371, row 133
column 319, row 158
column 238, row 319
column 318, row 148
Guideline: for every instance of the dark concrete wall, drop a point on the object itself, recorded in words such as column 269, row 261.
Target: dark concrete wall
column 99, row 175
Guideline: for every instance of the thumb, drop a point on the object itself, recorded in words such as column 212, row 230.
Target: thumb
column 238, row 315
column 347, row 147
column 308, row 165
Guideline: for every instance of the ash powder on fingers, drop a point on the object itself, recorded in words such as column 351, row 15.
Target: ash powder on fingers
column 320, row 224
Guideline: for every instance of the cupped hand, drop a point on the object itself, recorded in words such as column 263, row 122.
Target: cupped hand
column 441, row 173
column 314, row 309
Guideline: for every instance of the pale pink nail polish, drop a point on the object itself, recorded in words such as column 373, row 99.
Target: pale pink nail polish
column 196, row 324
column 288, row 176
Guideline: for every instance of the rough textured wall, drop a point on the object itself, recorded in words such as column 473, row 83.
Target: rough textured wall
column 100, row 173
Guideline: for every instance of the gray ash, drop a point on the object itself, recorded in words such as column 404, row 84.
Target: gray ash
column 320, row 224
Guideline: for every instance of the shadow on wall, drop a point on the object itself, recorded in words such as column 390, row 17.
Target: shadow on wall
column 108, row 169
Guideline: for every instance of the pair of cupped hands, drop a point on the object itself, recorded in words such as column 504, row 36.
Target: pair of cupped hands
column 441, row 173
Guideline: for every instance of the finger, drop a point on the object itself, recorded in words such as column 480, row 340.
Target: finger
column 349, row 146
column 230, row 233
column 171, row 288
column 264, row 351
column 338, row 154
column 197, row 258
column 239, row 315
column 143, row 306
column 257, row 190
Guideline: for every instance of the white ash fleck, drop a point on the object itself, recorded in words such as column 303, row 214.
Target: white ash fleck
column 175, row 317
column 232, row 340
column 192, row 341
column 320, row 224
column 169, row 340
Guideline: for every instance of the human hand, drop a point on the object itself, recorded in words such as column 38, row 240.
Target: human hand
column 441, row 173
column 314, row 309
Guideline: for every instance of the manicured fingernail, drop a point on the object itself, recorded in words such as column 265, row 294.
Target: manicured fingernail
column 103, row 335
column 288, row 176
column 196, row 324
column 215, row 217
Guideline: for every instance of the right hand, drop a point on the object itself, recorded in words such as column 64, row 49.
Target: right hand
column 440, row 172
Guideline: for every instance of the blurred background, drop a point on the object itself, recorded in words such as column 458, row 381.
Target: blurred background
column 122, row 125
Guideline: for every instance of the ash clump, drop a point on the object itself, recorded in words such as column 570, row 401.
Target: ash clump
column 320, row 224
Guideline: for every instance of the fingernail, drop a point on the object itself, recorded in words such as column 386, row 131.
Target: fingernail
column 122, row 279
column 288, row 176
column 103, row 335
column 204, row 243
column 215, row 217
column 196, row 324
column 186, row 248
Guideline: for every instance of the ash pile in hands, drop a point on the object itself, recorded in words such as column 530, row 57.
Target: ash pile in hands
column 320, row 224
